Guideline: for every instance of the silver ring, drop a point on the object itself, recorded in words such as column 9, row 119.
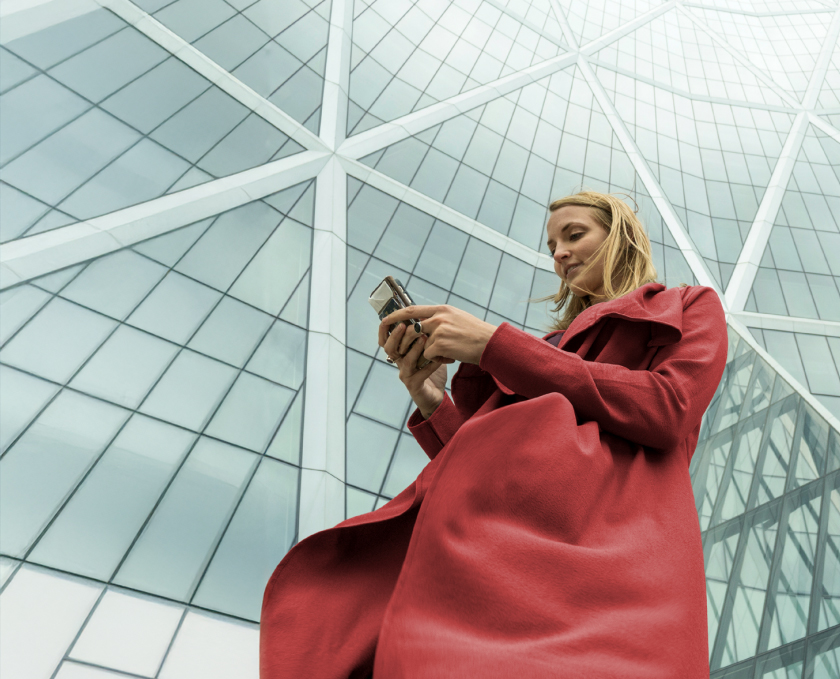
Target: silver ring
column 390, row 360
column 418, row 328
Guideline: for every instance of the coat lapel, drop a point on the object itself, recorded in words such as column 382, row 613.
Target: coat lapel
column 652, row 303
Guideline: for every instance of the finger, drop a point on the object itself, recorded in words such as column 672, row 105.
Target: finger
column 391, row 345
column 416, row 311
column 408, row 363
column 416, row 349
column 409, row 339
column 425, row 372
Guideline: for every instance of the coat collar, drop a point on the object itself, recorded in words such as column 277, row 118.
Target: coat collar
column 652, row 303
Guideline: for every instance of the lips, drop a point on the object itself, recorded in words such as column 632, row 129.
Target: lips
column 572, row 268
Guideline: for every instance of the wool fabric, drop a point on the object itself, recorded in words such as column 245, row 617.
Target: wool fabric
column 553, row 532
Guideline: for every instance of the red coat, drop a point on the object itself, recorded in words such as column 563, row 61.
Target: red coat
column 553, row 533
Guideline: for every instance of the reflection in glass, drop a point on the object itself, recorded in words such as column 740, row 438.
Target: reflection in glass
column 789, row 608
column 828, row 591
column 740, row 631
column 174, row 547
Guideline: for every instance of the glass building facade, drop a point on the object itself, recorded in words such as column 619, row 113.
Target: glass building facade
column 197, row 197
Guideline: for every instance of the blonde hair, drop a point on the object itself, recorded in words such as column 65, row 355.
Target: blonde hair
column 626, row 253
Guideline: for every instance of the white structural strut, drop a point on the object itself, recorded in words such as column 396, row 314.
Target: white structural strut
column 737, row 324
column 823, row 126
column 208, row 68
column 337, row 74
column 27, row 258
column 809, row 326
column 672, row 221
column 747, row 266
column 446, row 214
column 571, row 38
column 323, row 458
column 746, row 12
column 389, row 133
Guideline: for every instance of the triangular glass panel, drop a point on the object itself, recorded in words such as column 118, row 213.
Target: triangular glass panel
column 297, row 308
column 287, row 440
column 286, row 199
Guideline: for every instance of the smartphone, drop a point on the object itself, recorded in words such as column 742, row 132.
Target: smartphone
column 390, row 296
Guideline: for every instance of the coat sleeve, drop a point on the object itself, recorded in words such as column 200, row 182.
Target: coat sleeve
column 656, row 408
column 433, row 434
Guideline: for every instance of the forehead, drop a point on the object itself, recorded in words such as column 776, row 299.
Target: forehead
column 568, row 214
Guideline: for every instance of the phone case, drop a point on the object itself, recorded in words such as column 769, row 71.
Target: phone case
column 389, row 296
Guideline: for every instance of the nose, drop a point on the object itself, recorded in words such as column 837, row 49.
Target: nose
column 561, row 254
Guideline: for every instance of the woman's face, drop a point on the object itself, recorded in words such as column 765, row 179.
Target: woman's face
column 574, row 234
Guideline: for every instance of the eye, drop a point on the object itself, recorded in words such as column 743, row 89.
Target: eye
column 575, row 235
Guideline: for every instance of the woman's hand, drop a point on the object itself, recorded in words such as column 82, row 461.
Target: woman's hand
column 425, row 386
column 454, row 335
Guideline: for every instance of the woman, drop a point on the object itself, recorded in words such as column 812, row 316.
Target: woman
column 553, row 533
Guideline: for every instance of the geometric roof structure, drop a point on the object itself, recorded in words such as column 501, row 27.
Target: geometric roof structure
column 196, row 199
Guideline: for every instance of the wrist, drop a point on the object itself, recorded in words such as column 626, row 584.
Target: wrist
column 428, row 409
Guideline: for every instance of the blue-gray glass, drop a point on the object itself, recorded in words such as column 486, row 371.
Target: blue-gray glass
column 823, row 661
column 281, row 356
column 477, row 272
column 441, row 255
column 125, row 367
column 99, row 523
column 277, row 269
column 189, row 391
column 788, row 609
column 46, row 463
column 708, row 479
column 56, row 342
column 170, row 247
column 259, row 534
column 224, row 250
column 175, row 546
column 777, row 448
column 738, row 635
column 745, row 450
column 811, row 451
column 384, row 397
column 286, row 443
column 409, row 460
column 828, row 590
column 115, row 284
column 368, row 216
column 719, row 552
column 231, row 332
column 251, row 412
column 369, row 449
column 404, row 238
column 175, row 308
column 17, row 306
column 21, row 398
